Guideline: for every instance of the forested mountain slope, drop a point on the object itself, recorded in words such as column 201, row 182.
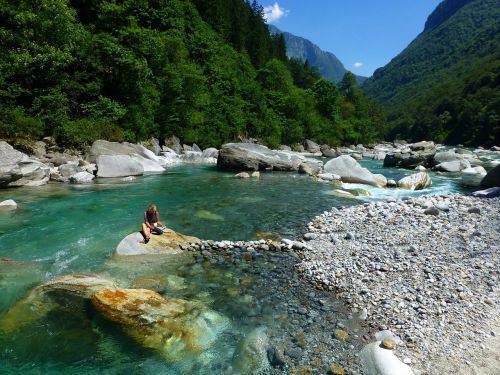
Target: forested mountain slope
column 328, row 65
column 206, row 70
column 445, row 84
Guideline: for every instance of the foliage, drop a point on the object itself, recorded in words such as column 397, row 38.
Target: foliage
column 444, row 85
column 206, row 71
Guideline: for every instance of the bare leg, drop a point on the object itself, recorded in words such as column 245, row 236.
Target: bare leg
column 146, row 231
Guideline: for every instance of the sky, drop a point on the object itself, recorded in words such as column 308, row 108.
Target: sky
column 363, row 34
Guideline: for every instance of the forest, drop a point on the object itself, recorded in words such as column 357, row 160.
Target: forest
column 208, row 72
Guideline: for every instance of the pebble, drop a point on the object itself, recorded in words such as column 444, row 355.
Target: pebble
column 427, row 277
column 389, row 344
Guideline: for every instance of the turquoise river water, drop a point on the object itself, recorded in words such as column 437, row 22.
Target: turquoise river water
column 61, row 229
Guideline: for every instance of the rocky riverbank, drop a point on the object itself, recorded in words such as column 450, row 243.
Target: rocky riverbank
column 427, row 269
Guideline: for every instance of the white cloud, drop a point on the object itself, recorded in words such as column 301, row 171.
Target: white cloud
column 358, row 65
column 273, row 13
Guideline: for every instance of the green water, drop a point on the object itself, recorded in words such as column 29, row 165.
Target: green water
column 60, row 229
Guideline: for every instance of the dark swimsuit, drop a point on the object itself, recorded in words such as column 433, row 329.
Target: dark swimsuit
column 151, row 217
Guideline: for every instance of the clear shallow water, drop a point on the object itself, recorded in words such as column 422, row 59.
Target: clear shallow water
column 61, row 229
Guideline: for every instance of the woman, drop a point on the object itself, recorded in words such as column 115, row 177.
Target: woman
column 152, row 223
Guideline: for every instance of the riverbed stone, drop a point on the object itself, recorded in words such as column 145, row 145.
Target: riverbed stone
column 310, row 167
column 17, row 169
column 311, row 146
column 452, row 166
column 254, row 157
column 349, row 170
column 81, row 178
column 168, row 243
column 417, row 181
column 379, row 361
column 421, row 153
column 118, row 166
column 251, row 354
column 8, row 205
column 177, row 328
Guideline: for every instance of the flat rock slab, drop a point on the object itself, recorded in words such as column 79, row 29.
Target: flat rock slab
column 169, row 242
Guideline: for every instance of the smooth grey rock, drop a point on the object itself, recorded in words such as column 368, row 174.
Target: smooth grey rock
column 8, row 205
column 311, row 146
column 17, row 169
column 376, row 360
column 311, row 167
column 173, row 143
column 210, row 153
column 69, row 169
column 417, row 181
column 284, row 148
column 138, row 153
column 118, row 166
column 255, row 174
column 452, row 166
column 473, row 176
column 153, row 144
column 349, row 170
column 492, row 178
column 254, row 157
column 81, row 178
column 328, row 152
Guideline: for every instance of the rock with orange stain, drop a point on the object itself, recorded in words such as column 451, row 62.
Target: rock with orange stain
column 175, row 327
column 169, row 242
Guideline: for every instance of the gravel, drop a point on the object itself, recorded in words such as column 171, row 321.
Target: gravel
column 427, row 269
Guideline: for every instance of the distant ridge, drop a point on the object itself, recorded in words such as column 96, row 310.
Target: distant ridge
column 329, row 66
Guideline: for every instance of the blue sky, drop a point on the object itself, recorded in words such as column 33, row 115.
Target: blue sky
column 363, row 34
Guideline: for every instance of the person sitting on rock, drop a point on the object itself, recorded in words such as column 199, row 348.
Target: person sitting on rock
column 151, row 223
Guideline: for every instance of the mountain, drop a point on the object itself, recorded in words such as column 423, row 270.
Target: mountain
column 329, row 66
column 444, row 85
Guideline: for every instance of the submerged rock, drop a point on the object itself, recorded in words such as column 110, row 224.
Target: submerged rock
column 349, row 170
column 417, row 181
column 68, row 292
column 169, row 242
column 207, row 215
column 251, row 356
column 176, row 328
column 377, row 360
column 254, row 157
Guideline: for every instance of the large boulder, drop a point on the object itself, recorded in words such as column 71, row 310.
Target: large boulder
column 421, row 153
column 492, row 178
column 136, row 153
column 311, row 167
column 349, row 170
column 169, row 242
column 452, row 166
column 210, row 153
column 254, row 157
column 69, row 169
column 328, row 152
column 417, row 181
column 69, row 292
column 173, row 143
column 118, row 166
column 177, row 328
column 311, row 146
column 376, row 360
column 153, row 145
column 17, row 169
column 250, row 356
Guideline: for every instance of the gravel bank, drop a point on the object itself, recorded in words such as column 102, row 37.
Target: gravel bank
column 428, row 269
